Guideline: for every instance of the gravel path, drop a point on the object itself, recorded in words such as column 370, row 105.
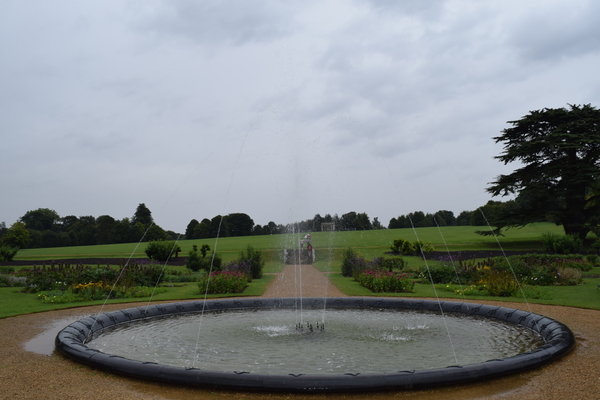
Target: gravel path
column 302, row 281
column 29, row 375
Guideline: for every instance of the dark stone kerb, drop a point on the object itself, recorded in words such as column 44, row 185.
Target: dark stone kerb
column 559, row 340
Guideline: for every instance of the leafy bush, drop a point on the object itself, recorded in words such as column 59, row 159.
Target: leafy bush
column 529, row 262
column 162, row 250
column 593, row 259
column 381, row 281
column 352, row 263
column 499, row 283
column 255, row 259
column 240, row 266
column 401, row 246
column 390, row 264
column 7, row 253
column 6, row 269
column 197, row 262
column 221, row 282
column 438, row 273
column 568, row 276
column 5, row 280
column 561, row 244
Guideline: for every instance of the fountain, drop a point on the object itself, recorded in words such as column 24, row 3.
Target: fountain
column 76, row 341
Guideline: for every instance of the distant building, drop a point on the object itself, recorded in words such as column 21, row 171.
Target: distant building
column 327, row 226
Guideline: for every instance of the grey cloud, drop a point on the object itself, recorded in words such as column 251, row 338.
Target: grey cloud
column 557, row 31
column 429, row 8
column 228, row 21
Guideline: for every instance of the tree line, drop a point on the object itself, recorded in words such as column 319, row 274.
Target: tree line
column 43, row 227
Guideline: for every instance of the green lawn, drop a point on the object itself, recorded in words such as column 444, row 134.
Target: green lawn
column 328, row 247
column 367, row 243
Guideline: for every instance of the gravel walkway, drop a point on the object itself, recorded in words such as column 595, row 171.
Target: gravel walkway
column 29, row 375
column 302, row 281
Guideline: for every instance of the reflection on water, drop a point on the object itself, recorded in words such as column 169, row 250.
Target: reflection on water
column 44, row 342
column 267, row 341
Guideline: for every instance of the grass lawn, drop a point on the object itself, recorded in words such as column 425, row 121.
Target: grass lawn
column 367, row 243
column 329, row 247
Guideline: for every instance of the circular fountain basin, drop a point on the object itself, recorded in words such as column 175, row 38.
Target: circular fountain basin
column 313, row 362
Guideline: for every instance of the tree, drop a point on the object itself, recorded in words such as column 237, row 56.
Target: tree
column 189, row 230
column 202, row 230
column 16, row 236
column 347, row 221
column 142, row 215
column 447, row 216
column 464, row 218
column 377, row 224
column 218, row 227
column 41, row 219
column 239, row 224
column 155, row 233
column 559, row 180
column 105, row 225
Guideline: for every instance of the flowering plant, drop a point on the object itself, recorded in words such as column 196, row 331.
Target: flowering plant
column 381, row 281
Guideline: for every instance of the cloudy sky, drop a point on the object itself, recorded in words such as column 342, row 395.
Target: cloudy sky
column 277, row 109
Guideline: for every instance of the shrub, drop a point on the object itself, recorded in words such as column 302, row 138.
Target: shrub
column 352, row 263
column 499, row 283
column 5, row 280
column 568, row 276
column 561, row 244
column 221, row 282
column 394, row 263
column 195, row 263
column 240, row 266
column 381, row 281
column 438, row 273
column 7, row 253
column 255, row 259
column 408, row 248
column 593, row 259
column 6, row 269
column 162, row 250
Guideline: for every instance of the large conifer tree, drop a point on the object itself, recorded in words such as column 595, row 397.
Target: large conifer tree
column 558, row 179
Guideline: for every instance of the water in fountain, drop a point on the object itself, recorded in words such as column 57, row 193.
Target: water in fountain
column 355, row 341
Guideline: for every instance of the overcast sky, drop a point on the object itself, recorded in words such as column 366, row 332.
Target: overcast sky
column 277, row 109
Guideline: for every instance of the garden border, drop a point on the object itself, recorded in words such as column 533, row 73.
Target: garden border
column 559, row 340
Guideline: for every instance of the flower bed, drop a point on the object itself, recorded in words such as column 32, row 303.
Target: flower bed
column 221, row 282
column 382, row 281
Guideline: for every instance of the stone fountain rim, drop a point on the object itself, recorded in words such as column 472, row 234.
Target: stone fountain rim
column 559, row 340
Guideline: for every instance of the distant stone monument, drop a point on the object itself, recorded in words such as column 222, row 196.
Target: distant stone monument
column 327, row 226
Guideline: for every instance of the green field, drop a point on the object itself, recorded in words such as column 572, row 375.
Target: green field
column 367, row 243
column 328, row 247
